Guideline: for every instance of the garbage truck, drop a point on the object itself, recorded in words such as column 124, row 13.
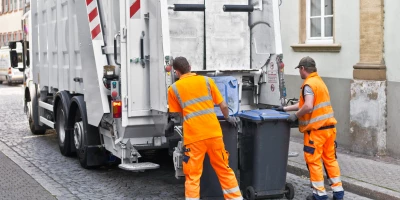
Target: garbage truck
column 98, row 71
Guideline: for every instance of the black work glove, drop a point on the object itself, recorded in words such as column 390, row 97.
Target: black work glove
column 233, row 120
column 280, row 108
column 292, row 118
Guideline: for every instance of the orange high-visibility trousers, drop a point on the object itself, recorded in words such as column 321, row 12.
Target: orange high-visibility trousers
column 321, row 144
column 193, row 168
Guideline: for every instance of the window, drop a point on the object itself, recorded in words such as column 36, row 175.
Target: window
column 1, row 40
column 1, row 6
column 21, row 4
column 15, row 4
column 319, row 21
column 5, row 5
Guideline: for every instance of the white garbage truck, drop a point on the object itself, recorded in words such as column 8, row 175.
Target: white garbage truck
column 98, row 71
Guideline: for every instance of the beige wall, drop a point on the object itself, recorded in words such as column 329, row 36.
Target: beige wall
column 347, row 33
column 336, row 68
column 10, row 22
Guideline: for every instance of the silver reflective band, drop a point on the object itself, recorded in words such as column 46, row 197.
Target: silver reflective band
column 198, row 113
column 322, row 117
column 317, row 184
column 196, row 100
column 337, row 189
column 321, row 105
column 192, row 198
column 232, row 190
column 335, row 180
column 208, row 86
column 177, row 94
column 319, row 192
column 237, row 198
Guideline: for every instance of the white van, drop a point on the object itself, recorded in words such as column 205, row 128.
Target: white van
column 7, row 73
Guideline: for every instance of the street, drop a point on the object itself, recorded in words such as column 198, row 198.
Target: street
column 63, row 177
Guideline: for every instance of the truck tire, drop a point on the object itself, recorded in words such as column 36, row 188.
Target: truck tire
column 89, row 150
column 1, row 82
column 33, row 112
column 65, row 136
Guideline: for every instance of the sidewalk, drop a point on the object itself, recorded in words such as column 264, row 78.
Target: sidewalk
column 365, row 177
column 15, row 183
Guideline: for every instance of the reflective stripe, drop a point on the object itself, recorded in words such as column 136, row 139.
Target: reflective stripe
column 319, row 192
column 335, row 180
column 208, row 86
column 315, row 119
column 317, row 184
column 177, row 94
column 198, row 113
column 192, row 198
column 197, row 100
column 232, row 190
column 237, row 198
column 321, row 105
column 337, row 188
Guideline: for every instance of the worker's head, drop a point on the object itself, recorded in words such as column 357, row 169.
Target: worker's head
column 181, row 66
column 306, row 67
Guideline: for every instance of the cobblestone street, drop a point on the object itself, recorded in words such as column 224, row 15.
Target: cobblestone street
column 34, row 166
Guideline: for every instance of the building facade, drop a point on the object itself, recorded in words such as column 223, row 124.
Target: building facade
column 356, row 49
column 11, row 12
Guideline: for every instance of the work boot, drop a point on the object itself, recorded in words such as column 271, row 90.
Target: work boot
column 311, row 197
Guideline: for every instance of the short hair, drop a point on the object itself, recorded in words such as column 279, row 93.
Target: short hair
column 310, row 69
column 181, row 65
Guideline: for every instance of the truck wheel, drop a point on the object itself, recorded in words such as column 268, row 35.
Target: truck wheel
column 33, row 113
column 1, row 82
column 64, row 136
column 86, row 137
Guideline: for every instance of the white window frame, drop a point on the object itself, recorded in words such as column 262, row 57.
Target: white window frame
column 322, row 39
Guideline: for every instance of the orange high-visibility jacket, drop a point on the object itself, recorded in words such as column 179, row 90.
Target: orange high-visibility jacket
column 194, row 96
column 322, row 113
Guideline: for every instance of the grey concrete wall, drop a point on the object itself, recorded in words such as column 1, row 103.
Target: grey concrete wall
column 393, row 119
column 339, row 90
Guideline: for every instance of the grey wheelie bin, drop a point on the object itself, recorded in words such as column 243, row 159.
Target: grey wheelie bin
column 209, row 183
column 263, row 154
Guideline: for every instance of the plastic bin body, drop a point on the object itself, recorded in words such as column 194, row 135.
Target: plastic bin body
column 264, row 146
column 209, row 183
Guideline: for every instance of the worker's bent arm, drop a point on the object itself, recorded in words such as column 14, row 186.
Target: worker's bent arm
column 224, row 108
column 294, row 107
column 307, row 107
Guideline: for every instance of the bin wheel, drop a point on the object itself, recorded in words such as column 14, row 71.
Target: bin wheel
column 250, row 193
column 289, row 191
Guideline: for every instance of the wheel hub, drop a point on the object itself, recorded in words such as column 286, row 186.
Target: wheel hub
column 78, row 132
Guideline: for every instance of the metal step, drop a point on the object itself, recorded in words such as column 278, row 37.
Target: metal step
column 139, row 166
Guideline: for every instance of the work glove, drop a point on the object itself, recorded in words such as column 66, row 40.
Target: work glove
column 233, row 120
column 292, row 118
column 280, row 108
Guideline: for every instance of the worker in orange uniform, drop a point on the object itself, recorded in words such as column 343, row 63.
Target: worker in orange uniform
column 194, row 96
column 317, row 123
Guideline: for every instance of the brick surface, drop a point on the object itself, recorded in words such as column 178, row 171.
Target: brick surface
column 15, row 183
column 39, row 157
